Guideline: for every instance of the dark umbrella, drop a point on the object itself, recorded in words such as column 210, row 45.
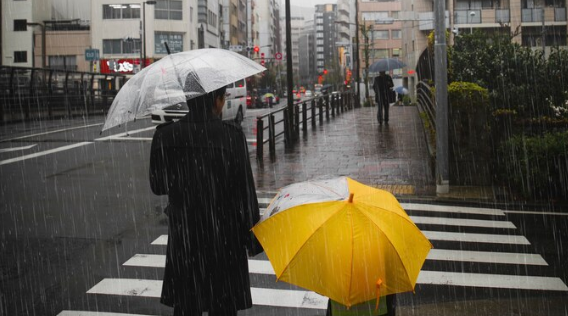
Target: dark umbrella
column 386, row 64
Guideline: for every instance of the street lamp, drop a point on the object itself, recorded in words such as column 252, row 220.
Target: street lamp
column 43, row 49
column 472, row 15
column 143, row 61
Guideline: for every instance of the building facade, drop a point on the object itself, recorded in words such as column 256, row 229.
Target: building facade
column 538, row 24
column 384, row 39
column 325, row 37
column 306, row 55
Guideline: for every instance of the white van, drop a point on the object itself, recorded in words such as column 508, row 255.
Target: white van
column 234, row 109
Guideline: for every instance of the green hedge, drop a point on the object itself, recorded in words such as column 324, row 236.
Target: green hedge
column 536, row 166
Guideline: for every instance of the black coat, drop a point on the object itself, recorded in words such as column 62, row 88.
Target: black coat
column 203, row 165
column 382, row 86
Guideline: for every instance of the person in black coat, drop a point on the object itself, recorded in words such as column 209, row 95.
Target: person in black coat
column 382, row 85
column 202, row 164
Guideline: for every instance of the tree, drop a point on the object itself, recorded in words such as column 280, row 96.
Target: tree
column 365, row 30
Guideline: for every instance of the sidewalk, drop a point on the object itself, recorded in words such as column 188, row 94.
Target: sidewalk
column 391, row 156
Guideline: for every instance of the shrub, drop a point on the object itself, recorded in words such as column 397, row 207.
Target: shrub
column 536, row 166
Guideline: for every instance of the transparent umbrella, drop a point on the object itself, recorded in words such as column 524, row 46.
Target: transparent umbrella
column 386, row 64
column 175, row 79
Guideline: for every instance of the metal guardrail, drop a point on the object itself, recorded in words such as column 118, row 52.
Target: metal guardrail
column 38, row 93
column 311, row 110
column 425, row 102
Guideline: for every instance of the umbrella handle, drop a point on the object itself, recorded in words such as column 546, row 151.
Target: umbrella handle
column 379, row 283
column 167, row 48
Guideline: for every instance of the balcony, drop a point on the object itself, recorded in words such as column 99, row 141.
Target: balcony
column 343, row 7
column 482, row 16
column 550, row 14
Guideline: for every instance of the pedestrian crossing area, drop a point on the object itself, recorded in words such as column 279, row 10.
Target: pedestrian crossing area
column 473, row 248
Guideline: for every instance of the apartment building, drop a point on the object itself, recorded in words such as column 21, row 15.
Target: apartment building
column 325, row 37
column 539, row 23
column 267, row 32
column 66, row 36
column 384, row 33
column 346, row 32
column 306, row 55
column 234, row 21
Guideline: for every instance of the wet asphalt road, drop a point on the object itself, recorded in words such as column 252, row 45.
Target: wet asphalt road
column 79, row 206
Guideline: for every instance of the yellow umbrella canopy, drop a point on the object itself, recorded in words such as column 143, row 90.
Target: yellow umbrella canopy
column 342, row 239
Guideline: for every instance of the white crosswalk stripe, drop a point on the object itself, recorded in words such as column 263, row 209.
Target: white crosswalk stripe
column 492, row 220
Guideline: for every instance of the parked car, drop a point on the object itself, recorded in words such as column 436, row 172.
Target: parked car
column 297, row 96
column 234, row 109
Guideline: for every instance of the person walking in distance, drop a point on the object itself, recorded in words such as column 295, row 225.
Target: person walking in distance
column 382, row 86
column 202, row 164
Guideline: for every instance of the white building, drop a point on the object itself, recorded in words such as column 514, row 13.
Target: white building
column 117, row 31
column 266, row 27
column 17, row 36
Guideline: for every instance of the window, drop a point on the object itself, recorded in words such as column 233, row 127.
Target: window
column 121, row 11
column 371, row 16
column 379, row 53
column 63, row 62
column 168, row 10
column 20, row 25
column 119, row 46
column 396, row 34
column 21, row 57
column 396, row 52
column 381, row 34
column 212, row 19
column 174, row 40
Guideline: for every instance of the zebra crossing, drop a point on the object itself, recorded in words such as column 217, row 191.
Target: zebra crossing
column 460, row 236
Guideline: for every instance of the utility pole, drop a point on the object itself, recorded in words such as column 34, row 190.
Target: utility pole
column 357, row 77
column 543, row 36
column 290, row 132
column 441, row 71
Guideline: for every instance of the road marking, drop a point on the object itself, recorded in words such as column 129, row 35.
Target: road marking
column 87, row 313
column 451, row 209
column 486, row 257
column 433, row 235
column 5, row 150
column 461, row 222
column 265, row 201
column 535, row 213
column 264, row 266
column 481, row 238
column 43, row 153
column 518, row 282
column 260, row 296
column 50, row 132
column 148, row 261
column 136, row 131
column 143, row 139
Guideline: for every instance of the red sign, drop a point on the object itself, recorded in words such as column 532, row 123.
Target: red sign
column 278, row 56
column 122, row 66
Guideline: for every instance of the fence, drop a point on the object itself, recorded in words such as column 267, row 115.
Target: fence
column 425, row 102
column 37, row 93
column 310, row 110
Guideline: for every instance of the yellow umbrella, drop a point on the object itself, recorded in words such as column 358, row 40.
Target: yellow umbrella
column 342, row 239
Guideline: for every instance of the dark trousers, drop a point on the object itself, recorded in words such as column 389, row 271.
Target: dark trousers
column 383, row 112
column 391, row 306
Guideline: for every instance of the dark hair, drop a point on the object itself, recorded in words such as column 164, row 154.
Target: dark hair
column 202, row 105
column 207, row 99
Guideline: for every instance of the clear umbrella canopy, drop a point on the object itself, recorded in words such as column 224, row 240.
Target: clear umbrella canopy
column 386, row 64
column 175, row 79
